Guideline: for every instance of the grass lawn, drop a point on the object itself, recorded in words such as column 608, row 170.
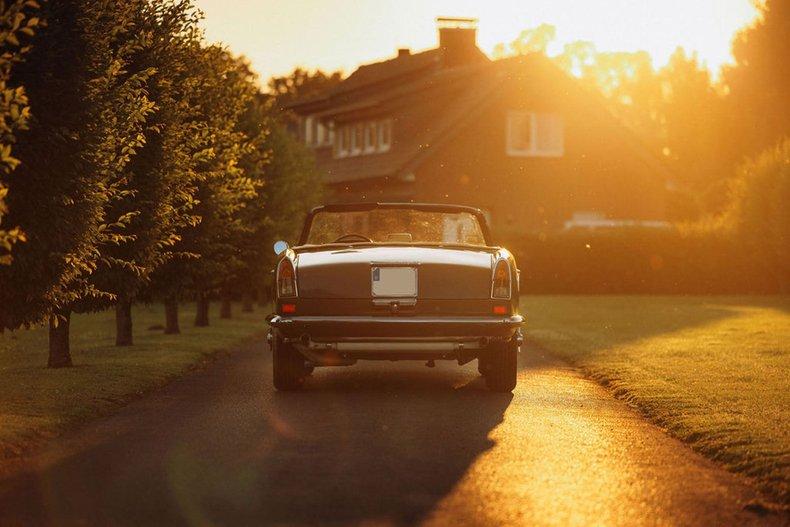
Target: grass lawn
column 714, row 371
column 37, row 402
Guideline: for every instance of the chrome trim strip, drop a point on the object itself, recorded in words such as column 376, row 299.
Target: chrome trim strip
column 408, row 301
column 512, row 320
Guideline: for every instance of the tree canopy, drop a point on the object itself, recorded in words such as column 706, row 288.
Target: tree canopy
column 140, row 159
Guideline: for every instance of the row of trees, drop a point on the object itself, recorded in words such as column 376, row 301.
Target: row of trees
column 703, row 128
column 138, row 163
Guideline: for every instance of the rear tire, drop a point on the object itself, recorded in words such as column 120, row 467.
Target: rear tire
column 500, row 368
column 288, row 368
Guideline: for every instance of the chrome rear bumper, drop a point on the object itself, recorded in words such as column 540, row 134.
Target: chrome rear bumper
column 390, row 329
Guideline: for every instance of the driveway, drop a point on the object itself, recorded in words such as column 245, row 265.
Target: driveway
column 374, row 444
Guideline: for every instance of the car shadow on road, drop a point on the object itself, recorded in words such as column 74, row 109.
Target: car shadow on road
column 368, row 444
column 378, row 442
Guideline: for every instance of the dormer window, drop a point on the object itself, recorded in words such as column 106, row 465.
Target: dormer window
column 531, row 134
column 385, row 135
column 342, row 137
column 371, row 137
column 330, row 134
column 316, row 133
column 357, row 139
column 367, row 137
column 309, row 130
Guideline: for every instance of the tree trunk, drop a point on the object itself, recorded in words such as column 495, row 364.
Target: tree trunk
column 123, row 322
column 59, row 353
column 171, row 316
column 201, row 316
column 247, row 305
column 225, row 307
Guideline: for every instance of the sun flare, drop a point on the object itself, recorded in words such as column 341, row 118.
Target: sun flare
column 333, row 35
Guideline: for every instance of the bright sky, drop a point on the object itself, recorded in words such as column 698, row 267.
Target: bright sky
column 278, row 35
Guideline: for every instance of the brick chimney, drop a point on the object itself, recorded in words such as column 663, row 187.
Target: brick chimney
column 458, row 40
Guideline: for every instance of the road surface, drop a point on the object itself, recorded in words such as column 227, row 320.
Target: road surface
column 375, row 444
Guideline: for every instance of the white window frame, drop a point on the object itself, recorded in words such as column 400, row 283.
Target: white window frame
column 357, row 140
column 329, row 138
column 308, row 130
column 371, row 147
column 533, row 150
column 342, row 138
column 385, row 125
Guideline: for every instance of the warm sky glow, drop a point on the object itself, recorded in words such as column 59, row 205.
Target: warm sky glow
column 340, row 34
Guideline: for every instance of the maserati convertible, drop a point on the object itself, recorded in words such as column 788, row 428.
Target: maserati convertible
column 395, row 281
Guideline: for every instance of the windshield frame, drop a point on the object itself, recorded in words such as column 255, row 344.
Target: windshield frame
column 361, row 207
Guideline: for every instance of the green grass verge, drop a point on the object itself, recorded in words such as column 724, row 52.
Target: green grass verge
column 713, row 371
column 36, row 402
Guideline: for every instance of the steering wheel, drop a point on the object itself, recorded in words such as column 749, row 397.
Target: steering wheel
column 352, row 237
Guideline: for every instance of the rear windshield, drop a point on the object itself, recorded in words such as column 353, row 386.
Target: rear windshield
column 395, row 226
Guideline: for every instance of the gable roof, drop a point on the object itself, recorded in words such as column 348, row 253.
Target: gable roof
column 429, row 105
column 390, row 69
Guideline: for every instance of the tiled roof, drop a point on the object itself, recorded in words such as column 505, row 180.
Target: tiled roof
column 390, row 69
column 422, row 111
column 428, row 104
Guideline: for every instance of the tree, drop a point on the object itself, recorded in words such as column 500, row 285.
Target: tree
column 72, row 160
column 17, row 25
column 159, row 182
column 291, row 185
column 301, row 84
column 255, row 124
column 692, row 114
column 676, row 111
column 222, row 187
column 759, row 215
column 532, row 40
column 758, row 82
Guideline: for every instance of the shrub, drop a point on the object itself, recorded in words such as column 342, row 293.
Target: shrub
column 624, row 261
column 759, row 215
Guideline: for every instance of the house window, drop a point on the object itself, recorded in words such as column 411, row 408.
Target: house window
column 342, row 141
column 330, row 134
column 337, row 144
column 371, row 137
column 308, row 130
column 357, row 139
column 532, row 134
column 385, row 135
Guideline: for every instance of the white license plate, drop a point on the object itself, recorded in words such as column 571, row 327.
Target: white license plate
column 394, row 281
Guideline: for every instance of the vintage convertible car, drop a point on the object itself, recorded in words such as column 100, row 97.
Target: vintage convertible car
column 395, row 281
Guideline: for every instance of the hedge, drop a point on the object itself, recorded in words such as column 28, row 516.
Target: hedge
column 641, row 261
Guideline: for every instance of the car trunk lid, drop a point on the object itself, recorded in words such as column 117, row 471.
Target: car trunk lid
column 442, row 273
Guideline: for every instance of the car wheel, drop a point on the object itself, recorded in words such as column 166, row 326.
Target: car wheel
column 501, row 366
column 288, row 369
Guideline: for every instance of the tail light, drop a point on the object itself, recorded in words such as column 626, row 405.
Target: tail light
column 501, row 281
column 286, row 279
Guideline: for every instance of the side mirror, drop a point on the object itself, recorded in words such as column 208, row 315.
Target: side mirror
column 280, row 247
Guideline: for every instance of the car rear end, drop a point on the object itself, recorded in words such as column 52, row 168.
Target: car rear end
column 392, row 303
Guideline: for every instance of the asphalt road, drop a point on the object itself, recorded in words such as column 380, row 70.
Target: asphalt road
column 375, row 444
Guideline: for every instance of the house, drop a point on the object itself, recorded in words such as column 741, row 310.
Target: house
column 516, row 137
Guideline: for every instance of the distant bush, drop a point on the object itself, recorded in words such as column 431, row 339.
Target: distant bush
column 745, row 249
column 759, row 215
column 640, row 261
